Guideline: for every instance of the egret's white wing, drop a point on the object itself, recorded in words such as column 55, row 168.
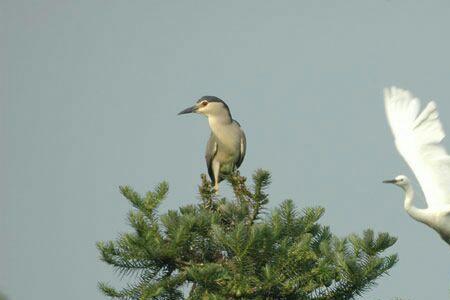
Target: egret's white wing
column 418, row 137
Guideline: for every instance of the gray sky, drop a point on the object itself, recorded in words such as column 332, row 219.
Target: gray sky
column 89, row 92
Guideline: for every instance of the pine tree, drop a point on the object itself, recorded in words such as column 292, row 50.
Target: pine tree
column 222, row 249
column 2, row 297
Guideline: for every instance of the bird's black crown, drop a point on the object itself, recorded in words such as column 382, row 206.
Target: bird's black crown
column 213, row 99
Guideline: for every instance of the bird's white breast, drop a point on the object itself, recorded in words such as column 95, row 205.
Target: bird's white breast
column 442, row 223
column 229, row 135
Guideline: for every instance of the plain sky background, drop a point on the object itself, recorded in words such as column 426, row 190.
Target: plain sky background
column 89, row 92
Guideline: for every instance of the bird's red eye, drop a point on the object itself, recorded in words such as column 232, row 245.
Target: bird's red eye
column 204, row 103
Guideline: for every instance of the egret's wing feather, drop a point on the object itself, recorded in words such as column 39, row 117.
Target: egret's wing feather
column 417, row 137
column 211, row 150
column 243, row 149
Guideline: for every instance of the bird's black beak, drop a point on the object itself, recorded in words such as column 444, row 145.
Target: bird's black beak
column 390, row 181
column 188, row 110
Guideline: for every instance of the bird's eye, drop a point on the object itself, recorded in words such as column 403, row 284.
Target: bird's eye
column 204, row 103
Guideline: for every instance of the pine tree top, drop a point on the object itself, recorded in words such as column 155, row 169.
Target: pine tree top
column 236, row 249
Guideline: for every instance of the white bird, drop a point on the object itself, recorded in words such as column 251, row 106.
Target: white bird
column 418, row 137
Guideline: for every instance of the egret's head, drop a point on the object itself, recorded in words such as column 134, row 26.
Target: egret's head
column 209, row 106
column 401, row 181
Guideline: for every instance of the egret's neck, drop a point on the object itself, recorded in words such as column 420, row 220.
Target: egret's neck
column 217, row 121
column 409, row 196
column 417, row 214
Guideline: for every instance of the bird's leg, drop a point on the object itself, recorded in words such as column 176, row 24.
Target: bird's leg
column 216, row 171
column 216, row 187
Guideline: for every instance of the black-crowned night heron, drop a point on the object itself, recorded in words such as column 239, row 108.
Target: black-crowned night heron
column 226, row 146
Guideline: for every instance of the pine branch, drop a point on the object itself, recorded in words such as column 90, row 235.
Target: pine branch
column 261, row 181
column 207, row 193
column 226, row 249
column 241, row 192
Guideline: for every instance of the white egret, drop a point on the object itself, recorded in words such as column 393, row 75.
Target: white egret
column 417, row 138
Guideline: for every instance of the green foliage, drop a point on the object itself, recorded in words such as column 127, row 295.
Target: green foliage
column 222, row 249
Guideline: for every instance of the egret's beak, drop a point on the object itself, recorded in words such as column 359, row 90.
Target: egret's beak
column 188, row 110
column 390, row 181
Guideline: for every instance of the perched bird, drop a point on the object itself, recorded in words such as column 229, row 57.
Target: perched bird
column 227, row 144
column 417, row 137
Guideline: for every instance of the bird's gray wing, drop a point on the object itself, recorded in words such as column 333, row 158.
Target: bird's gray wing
column 243, row 149
column 211, row 150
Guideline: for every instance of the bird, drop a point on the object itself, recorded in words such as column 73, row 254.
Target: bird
column 418, row 138
column 227, row 144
